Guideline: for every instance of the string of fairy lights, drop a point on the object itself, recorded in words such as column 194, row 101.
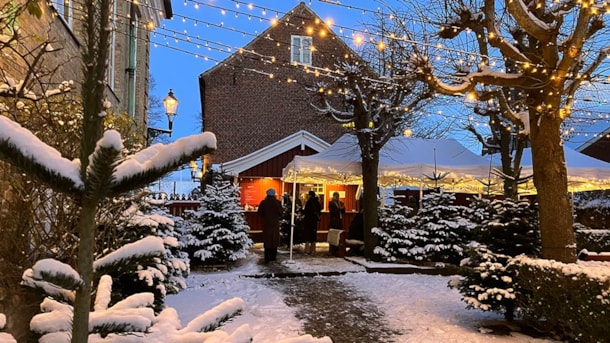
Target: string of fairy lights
column 187, row 43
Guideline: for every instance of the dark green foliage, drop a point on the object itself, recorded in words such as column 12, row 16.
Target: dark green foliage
column 591, row 239
column 565, row 298
column 511, row 228
column 396, row 235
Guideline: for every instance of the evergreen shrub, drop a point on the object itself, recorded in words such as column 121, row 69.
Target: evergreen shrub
column 572, row 300
column 592, row 239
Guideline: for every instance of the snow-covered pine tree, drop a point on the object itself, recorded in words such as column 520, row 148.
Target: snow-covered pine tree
column 443, row 229
column 396, row 235
column 488, row 283
column 218, row 232
column 138, row 217
column 511, row 228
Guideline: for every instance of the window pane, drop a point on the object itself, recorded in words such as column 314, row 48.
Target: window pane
column 296, row 49
column 306, row 50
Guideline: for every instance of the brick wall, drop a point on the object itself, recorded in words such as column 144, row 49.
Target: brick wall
column 249, row 110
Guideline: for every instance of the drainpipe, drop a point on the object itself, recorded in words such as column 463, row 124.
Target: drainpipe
column 131, row 69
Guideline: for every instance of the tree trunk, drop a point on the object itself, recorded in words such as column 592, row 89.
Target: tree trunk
column 82, row 304
column 370, row 166
column 551, row 181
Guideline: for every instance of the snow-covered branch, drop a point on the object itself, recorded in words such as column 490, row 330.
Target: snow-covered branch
column 23, row 149
column 495, row 38
column 155, row 161
column 147, row 247
column 213, row 318
column 528, row 21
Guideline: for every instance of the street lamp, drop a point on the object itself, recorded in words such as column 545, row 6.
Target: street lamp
column 171, row 107
column 196, row 173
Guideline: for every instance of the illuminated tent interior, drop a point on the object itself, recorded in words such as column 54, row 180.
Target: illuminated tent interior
column 402, row 162
column 585, row 173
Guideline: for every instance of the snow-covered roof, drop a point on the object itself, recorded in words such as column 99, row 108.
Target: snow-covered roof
column 403, row 161
column 585, row 173
column 301, row 138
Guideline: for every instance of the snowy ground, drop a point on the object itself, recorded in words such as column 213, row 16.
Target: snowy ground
column 420, row 307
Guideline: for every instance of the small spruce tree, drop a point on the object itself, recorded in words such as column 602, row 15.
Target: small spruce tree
column 217, row 232
column 510, row 229
column 443, row 229
column 396, row 235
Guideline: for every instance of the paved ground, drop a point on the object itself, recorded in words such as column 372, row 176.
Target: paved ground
column 327, row 307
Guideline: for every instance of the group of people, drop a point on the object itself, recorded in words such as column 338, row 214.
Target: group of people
column 271, row 211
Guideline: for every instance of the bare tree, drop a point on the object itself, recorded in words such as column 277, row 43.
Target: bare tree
column 381, row 103
column 543, row 49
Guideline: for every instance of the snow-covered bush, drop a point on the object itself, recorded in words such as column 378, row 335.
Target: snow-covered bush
column 443, row 229
column 597, row 240
column 571, row 300
column 395, row 234
column 217, row 233
column 487, row 282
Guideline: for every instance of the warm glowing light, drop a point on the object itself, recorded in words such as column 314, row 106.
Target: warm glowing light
column 471, row 96
column 408, row 132
column 329, row 22
column 381, row 46
column 310, row 30
column 358, row 40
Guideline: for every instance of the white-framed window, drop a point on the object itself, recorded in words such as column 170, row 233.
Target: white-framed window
column 301, row 49
column 112, row 54
column 64, row 10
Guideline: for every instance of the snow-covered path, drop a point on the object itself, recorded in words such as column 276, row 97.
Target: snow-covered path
column 416, row 308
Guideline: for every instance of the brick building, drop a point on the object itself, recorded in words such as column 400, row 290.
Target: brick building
column 61, row 25
column 258, row 102
column 259, row 95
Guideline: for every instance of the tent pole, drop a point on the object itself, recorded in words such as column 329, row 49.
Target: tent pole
column 294, row 201
column 421, row 194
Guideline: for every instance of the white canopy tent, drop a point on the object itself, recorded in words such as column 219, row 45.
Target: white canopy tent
column 402, row 162
column 585, row 173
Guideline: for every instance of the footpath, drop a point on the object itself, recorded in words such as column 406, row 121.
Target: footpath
column 325, row 305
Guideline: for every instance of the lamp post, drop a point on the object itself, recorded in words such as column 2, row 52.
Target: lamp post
column 170, row 103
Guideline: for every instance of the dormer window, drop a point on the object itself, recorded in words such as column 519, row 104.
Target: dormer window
column 301, row 50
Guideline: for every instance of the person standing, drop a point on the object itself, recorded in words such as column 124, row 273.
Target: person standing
column 336, row 210
column 311, row 213
column 271, row 211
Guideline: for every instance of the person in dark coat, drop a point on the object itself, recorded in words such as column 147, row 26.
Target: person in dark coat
column 336, row 210
column 311, row 216
column 271, row 211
